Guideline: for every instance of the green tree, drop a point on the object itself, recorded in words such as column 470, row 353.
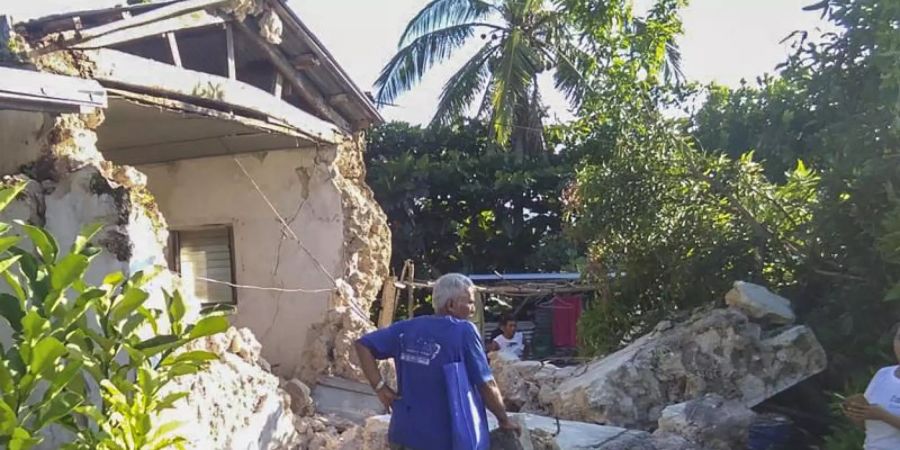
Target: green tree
column 577, row 39
column 455, row 201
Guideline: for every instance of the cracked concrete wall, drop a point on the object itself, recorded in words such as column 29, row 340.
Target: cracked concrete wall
column 322, row 195
column 69, row 185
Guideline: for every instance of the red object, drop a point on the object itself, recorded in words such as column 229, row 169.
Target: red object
column 566, row 311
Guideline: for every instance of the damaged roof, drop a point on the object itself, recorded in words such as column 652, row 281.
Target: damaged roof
column 324, row 89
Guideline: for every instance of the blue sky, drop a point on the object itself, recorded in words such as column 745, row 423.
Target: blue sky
column 724, row 40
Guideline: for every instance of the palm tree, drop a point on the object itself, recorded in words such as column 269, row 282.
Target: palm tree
column 522, row 39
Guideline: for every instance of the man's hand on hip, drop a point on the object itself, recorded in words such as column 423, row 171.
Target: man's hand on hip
column 387, row 396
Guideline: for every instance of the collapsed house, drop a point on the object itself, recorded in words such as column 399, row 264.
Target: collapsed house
column 218, row 138
column 247, row 137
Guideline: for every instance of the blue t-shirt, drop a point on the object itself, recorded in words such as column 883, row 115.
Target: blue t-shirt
column 420, row 348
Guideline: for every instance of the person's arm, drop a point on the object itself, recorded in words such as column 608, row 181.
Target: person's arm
column 493, row 400
column 380, row 344
column 479, row 372
column 859, row 413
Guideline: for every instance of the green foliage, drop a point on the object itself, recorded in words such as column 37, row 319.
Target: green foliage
column 581, row 41
column 455, row 201
column 69, row 335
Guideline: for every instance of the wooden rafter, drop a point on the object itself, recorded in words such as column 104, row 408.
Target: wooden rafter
column 302, row 88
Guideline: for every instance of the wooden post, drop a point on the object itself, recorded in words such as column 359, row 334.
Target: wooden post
column 229, row 45
column 173, row 47
column 479, row 313
column 277, row 84
column 388, row 302
column 411, row 292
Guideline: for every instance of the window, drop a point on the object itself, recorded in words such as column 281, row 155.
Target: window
column 204, row 254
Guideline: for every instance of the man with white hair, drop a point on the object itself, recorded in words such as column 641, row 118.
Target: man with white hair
column 421, row 347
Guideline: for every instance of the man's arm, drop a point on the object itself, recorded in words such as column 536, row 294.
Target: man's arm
column 493, row 400
column 369, row 366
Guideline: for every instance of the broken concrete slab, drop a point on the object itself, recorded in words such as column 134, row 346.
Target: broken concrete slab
column 718, row 351
column 302, row 403
column 759, row 303
column 347, row 399
column 709, row 421
column 523, row 381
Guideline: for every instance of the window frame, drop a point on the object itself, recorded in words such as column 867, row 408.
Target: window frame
column 173, row 255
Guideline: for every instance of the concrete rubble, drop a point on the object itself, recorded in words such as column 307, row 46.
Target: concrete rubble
column 716, row 351
column 717, row 423
column 760, row 304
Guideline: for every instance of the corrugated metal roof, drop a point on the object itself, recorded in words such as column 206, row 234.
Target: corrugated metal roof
column 493, row 277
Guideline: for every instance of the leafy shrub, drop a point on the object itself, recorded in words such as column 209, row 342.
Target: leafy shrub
column 69, row 336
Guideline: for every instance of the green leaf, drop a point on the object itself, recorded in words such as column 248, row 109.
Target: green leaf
column 127, row 303
column 175, row 307
column 34, row 325
column 45, row 354
column 22, row 440
column 8, row 419
column 8, row 194
column 158, row 344
column 70, row 269
column 5, row 264
column 113, row 279
column 11, row 310
column 162, row 432
column 169, row 401
column 7, row 242
column 44, row 243
column 142, row 277
column 208, row 326
column 7, row 381
column 194, row 356
column 84, row 237
column 13, row 281
column 60, row 406
column 63, row 378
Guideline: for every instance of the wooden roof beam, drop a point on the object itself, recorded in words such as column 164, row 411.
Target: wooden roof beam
column 306, row 61
column 302, row 88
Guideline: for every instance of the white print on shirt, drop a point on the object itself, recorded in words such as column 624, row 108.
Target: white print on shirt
column 422, row 351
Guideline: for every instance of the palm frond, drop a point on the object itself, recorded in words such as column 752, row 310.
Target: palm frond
column 673, row 72
column 572, row 65
column 461, row 89
column 444, row 13
column 408, row 66
column 513, row 77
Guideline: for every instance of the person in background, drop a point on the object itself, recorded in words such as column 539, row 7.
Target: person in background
column 420, row 347
column 509, row 340
column 879, row 408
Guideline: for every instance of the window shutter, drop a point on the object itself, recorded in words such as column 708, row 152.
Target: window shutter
column 207, row 254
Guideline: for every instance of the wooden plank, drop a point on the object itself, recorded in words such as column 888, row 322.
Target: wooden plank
column 296, row 26
column 276, row 85
column 27, row 86
column 339, row 99
column 157, row 78
column 411, row 293
column 197, row 19
column 175, row 9
column 305, row 90
column 201, row 148
column 229, row 48
column 306, row 61
column 173, row 47
column 388, row 302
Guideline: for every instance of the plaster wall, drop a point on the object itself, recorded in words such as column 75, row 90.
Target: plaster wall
column 300, row 185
